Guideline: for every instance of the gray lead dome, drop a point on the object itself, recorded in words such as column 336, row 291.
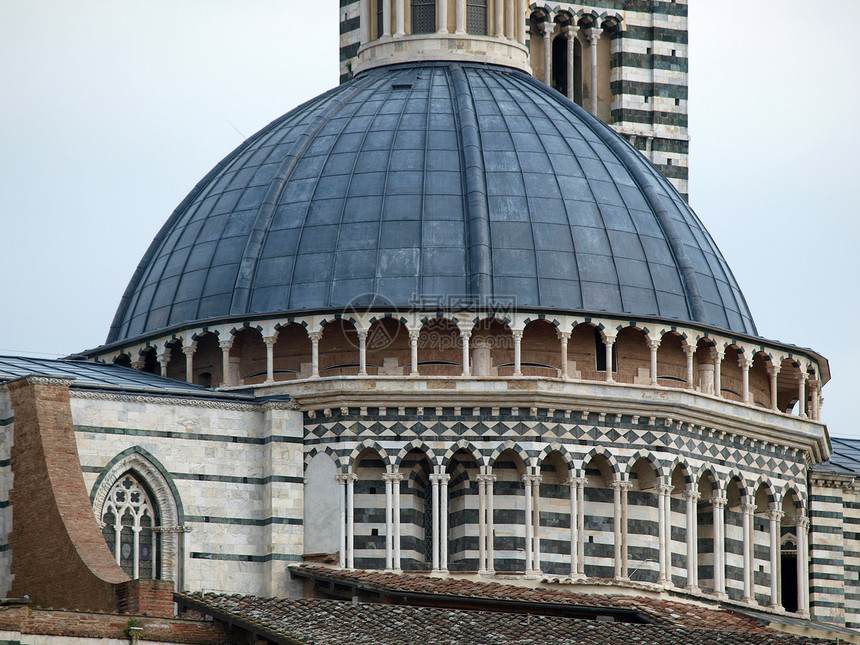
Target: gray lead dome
column 428, row 180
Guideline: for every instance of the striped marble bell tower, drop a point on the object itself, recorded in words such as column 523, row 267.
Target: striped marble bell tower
column 623, row 60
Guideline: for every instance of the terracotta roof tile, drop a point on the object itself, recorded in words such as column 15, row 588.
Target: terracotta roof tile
column 331, row 622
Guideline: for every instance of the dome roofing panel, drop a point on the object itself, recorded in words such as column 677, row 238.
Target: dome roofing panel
column 433, row 179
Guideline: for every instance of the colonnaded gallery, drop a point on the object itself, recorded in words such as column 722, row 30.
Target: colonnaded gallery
column 440, row 356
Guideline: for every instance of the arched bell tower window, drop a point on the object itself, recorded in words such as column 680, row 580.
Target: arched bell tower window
column 129, row 517
column 476, row 17
column 423, row 16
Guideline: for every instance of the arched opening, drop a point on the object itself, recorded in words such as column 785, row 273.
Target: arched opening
column 150, row 361
column 541, row 353
column 731, row 375
column 123, row 360
column 599, row 519
column 761, row 570
column 388, row 348
column 291, row 355
column 555, row 519
column 463, row 509
column 789, row 592
column 440, row 350
column 678, row 554
column 369, row 513
column 509, row 517
column 634, row 357
column 492, row 347
column 643, row 522
column 672, row 361
column 247, row 357
column 176, row 363
column 559, row 63
column 704, row 366
column 338, row 349
column 416, row 512
column 581, row 353
column 787, row 385
column 705, row 531
column 760, row 381
column 423, row 16
column 207, row 361
column 734, row 544
column 321, row 507
column 577, row 71
column 128, row 518
column 476, row 17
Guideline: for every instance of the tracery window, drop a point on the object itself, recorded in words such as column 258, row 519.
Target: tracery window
column 423, row 16
column 128, row 518
column 476, row 17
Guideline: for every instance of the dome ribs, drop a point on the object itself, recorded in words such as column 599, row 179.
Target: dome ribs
column 477, row 209
column 248, row 268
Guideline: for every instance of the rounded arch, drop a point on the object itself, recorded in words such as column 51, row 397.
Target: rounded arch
column 364, row 446
column 679, row 461
column 464, row 446
column 610, row 459
column 561, row 451
column 327, row 450
column 513, row 447
column 659, row 468
column 419, row 446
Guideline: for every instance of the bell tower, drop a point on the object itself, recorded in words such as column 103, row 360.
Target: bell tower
column 625, row 61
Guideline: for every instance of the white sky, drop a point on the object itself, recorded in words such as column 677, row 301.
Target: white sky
column 111, row 111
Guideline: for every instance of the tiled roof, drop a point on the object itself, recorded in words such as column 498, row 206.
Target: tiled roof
column 659, row 611
column 845, row 457
column 331, row 622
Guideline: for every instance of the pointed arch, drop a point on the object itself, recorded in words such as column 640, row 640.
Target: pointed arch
column 656, row 463
column 419, row 445
column 368, row 444
column 465, row 446
column 513, row 447
column 169, row 513
column 328, row 450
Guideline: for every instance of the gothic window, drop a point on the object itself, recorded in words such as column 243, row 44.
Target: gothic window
column 476, row 17
column 128, row 518
column 423, row 16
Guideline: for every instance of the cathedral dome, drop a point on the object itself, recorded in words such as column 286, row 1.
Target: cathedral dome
column 426, row 180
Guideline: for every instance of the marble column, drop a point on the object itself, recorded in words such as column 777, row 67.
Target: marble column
column 362, row 352
column 745, row 363
column 364, row 21
column 350, row 520
column 527, row 484
column 570, row 32
column 691, row 496
column 389, row 521
column 397, row 477
column 593, row 38
column 803, row 565
column 315, row 353
column 189, row 350
column 653, row 346
column 434, row 481
column 443, row 521
column 719, row 504
column 664, row 507
column 548, row 27
column 386, row 18
column 414, row 335
column 461, row 17
column 718, row 364
column 689, row 352
column 518, row 351
column 482, row 523
column 748, row 509
column 510, row 25
column 225, row 346
column 443, row 16
column 536, row 481
column 773, row 372
column 774, row 515
column 341, row 481
column 801, row 394
column 270, row 357
column 574, row 483
column 499, row 6
column 609, row 342
column 465, row 336
column 564, row 339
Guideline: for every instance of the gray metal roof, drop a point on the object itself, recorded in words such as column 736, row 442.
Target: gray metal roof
column 845, row 457
column 95, row 375
column 433, row 179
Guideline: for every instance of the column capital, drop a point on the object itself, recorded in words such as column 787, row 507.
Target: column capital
column 773, row 370
column 609, row 339
column 744, row 362
column 718, row 354
column 392, row 477
column 189, row 350
column 775, row 514
column 465, row 334
column 689, row 350
column 802, row 522
column 593, row 34
column 341, row 478
column 573, row 480
column 749, row 509
column 653, row 343
column 440, row 478
column 414, row 334
column 225, row 344
column 362, row 333
column 563, row 336
column 517, row 334
column 620, row 484
column 547, row 26
column 802, row 377
column 315, row 336
column 485, row 478
column 719, row 502
column 270, row 340
column 665, row 488
column 691, row 494
column 570, row 30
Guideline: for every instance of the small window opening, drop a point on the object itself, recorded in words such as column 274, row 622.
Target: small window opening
column 600, row 351
column 476, row 17
column 423, row 16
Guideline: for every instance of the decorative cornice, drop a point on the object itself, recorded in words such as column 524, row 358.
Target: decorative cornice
column 196, row 403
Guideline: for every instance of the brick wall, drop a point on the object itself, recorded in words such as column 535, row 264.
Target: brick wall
column 59, row 555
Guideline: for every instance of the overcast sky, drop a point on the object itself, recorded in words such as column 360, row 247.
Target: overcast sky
column 111, row 111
